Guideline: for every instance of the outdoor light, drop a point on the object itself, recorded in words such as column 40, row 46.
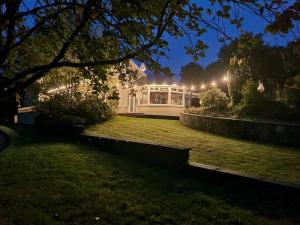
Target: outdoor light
column 202, row 86
column 192, row 87
column 225, row 78
column 183, row 87
column 260, row 87
column 213, row 83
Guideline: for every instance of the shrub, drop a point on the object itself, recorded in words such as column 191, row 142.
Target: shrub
column 214, row 100
column 257, row 105
column 292, row 92
column 62, row 108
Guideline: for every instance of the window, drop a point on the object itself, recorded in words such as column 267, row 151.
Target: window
column 159, row 97
column 144, row 98
column 176, row 98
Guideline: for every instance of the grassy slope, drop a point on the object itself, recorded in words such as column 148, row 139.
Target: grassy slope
column 276, row 162
column 50, row 182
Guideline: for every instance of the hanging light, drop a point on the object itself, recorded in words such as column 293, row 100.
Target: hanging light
column 202, row 86
column 213, row 83
column 260, row 87
column 192, row 88
column 225, row 78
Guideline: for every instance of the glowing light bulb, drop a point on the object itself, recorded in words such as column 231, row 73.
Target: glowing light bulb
column 225, row 78
column 192, row 88
column 202, row 86
column 213, row 83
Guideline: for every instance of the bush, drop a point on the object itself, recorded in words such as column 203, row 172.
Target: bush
column 214, row 100
column 64, row 109
column 257, row 105
column 292, row 92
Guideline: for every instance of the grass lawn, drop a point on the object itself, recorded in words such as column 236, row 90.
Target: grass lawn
column 275, row 162
column 45, row 181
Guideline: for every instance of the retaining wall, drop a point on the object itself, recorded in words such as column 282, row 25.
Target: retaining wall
column 162, row 155
column 267, row 132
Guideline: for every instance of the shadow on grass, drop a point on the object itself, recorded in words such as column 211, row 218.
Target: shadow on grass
column 154, row 183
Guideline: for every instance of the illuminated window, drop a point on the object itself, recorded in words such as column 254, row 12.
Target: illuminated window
column 144, row 98
column 159, row 97
column 176, row 98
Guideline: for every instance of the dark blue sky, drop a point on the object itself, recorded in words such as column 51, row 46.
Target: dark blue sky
column 178, row 58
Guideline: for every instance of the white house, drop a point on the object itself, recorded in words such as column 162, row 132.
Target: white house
column 152, row 99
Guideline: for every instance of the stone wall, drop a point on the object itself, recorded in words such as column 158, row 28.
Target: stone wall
column 154, row 154
column 267, row 132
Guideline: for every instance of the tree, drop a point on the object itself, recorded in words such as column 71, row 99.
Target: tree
column 192, row 73
column 118, row 30
column 164, row 75
column 239, row 72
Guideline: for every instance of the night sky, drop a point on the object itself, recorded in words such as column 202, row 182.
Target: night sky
column 178, row 58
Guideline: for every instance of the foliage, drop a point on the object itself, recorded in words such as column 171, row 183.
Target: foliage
column 66, row 109
column 109, row 32
column 214, row 100
column 164, row 75
column 191, row 74
column 267, row 63
column 258, row 105
column 292, row 91
column 239, row 72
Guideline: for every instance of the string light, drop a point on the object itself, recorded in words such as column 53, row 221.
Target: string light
column 213, row 83
column 202, row 86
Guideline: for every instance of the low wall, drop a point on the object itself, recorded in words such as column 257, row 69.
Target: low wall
column 142, row 115
column 161, row 155
column 4, row 140
column 267, row 132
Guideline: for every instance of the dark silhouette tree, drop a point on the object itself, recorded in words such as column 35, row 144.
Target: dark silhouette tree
column 192, row 74
column 118, row 30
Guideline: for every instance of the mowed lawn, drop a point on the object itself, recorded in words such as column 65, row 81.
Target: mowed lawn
column 275, row 162
column 49, row 182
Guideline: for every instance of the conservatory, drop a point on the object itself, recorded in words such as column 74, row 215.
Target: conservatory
column 154, row 99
